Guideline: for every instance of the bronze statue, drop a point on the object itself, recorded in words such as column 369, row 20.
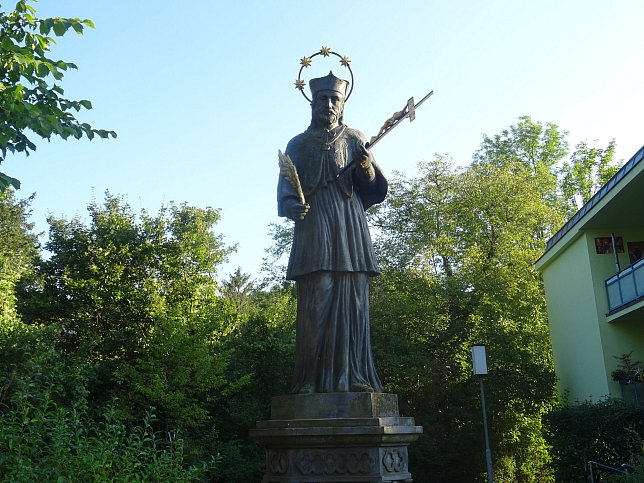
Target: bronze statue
column 327, row 180
column 332, row 255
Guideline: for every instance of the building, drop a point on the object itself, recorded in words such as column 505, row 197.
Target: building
column 593, row 273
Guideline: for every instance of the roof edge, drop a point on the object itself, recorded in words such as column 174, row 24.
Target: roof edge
column 597, row 197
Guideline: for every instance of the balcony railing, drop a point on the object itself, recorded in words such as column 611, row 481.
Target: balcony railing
column 626, row 286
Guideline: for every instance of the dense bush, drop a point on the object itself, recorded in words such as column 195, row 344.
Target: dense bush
column 610, row 432
column 46, row 434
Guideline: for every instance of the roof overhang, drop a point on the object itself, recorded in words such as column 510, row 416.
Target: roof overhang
column 616, row 204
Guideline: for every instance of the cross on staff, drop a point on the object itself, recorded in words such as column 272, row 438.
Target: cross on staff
column 411, row 109
column 408, row 111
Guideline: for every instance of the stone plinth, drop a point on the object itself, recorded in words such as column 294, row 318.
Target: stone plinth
column 336, row 437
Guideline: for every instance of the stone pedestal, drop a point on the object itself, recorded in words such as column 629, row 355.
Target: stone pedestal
column 336, row 437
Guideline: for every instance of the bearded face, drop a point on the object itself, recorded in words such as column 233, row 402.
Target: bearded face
column 328, row 107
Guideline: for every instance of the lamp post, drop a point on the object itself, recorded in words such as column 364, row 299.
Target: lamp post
column 479, row 363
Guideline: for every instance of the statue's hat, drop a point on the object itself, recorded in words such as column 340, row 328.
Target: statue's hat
column 328, row 83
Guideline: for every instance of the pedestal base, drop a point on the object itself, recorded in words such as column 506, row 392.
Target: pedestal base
column 336, row 437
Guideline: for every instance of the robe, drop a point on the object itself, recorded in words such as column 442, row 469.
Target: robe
column 331, row 261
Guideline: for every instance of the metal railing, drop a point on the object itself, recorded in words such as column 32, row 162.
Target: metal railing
column 625, row 286
column 593, row 466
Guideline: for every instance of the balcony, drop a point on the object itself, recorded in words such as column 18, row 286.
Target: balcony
column 625, row 287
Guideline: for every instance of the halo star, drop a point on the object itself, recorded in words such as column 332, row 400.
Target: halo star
column 307, row 61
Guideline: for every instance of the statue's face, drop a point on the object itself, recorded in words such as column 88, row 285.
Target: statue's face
column 327, row 108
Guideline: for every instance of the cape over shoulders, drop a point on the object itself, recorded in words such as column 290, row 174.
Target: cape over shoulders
column 312, row 133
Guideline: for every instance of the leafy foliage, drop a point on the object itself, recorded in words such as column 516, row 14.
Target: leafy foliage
column 628, row 371
column 274, row 263
column 44, row 442
column 237, row 289
column 102, row 278
column 126, row 313
column 135, row 302
column 588, row 169
column 458, row 248
column 31, row 100
column 47, row 434
column 531, row 145
column 610, row 432
column 17, row 250
column 262, row 345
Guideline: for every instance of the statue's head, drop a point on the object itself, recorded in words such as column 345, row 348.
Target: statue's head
column 328, row 95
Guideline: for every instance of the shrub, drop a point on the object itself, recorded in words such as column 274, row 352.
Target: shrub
column 47, row 435
column 610, row 432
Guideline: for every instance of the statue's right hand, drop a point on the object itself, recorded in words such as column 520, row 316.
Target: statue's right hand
column 298, row 211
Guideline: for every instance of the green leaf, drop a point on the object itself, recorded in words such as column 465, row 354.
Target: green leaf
column 46, row 25
column 60, row 27
column 42, row 69
column 5, row 181
column 77, row 26
column 43, row 43
column 20, row 58
column 39, row 106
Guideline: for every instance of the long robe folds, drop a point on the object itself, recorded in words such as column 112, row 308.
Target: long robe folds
column 331, row 260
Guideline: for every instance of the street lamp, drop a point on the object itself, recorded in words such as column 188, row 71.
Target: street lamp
column 479, row 363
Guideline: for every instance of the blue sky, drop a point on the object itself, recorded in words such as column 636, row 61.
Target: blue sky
column 201, row 93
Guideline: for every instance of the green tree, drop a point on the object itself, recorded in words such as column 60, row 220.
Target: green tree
column 42, row 439
column 274, row 263
column 180, row 369
column 17, row 250
column 588, row 169
column 262, row 350
column 31, row 100
column 566, row 181
column 417, row 219
column 237, row 289
column 125, row 313
column 458, row 248
column 528, row 144
column 134, row 300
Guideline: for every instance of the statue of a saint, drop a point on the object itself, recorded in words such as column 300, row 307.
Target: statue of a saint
column 332, row 256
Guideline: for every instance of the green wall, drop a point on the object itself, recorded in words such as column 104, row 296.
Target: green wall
column 574, row 329
column 585, row 342
column 624, row 331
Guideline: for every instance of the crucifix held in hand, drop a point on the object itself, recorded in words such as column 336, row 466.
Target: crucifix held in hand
column 408, row 111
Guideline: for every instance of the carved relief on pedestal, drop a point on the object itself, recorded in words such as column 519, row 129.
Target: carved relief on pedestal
column 395, row 460
column 329, row 463
column 277, row 461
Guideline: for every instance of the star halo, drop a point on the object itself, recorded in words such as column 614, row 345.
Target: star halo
column 306, row 61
